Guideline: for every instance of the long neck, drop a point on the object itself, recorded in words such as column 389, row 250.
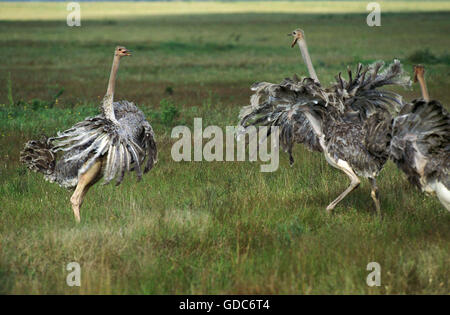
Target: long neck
column 107, row 105
column 423, row 87
column 307, row 59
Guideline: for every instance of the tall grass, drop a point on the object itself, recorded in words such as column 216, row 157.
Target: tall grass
column 9, row 90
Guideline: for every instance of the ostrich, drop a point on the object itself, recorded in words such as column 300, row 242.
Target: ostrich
column 349, row 122
column 278, row 105
column 107, row 145
column 420, row 144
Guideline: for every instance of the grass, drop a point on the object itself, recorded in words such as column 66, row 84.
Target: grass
column 202, row 228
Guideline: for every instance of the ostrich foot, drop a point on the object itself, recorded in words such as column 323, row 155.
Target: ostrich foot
column 330, row 208
column 75, row 208
column 375, row 196
column 84, row 182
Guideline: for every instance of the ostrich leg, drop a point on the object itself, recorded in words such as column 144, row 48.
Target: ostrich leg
column 84, row 183
column 342, row 165
column 374, row 194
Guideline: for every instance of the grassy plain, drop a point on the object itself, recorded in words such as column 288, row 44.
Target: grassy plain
column 209, row 227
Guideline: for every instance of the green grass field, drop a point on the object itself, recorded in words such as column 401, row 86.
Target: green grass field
column 209, row 227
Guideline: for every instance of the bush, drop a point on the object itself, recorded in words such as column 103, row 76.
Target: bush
column 167, row 114
column 422, row 56
column 427, row 57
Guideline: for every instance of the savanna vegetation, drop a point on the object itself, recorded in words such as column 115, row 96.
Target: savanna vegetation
column 209, row 227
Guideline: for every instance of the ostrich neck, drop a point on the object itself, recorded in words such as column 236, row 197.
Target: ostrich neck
column 108, row 108
column 307, row 59
column 423, row 87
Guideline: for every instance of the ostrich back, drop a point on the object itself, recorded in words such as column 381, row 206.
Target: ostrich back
column 354, row 114
column 121, row 147
column 363, row 143
column 421, row 143
column 356, row 122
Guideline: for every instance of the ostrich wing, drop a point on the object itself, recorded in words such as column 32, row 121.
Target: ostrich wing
column 361, row 93
column 123, row 147
column 420, row 144
column 276, row 105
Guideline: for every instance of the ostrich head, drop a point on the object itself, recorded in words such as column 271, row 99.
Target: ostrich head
column 297, row 34
column 419, row 71
column 122, row 51
column 299, row 37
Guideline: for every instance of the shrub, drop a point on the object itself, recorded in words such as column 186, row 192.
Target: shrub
column 169, row 112
column 422, row 56
column 427, row 57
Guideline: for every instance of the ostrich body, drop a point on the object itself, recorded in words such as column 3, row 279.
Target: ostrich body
column 420, row 143
column 107, row 145
column 278, row 105
column 350, row 122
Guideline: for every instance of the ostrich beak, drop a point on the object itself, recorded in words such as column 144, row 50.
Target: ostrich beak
column 294, row 42
column 128, row 52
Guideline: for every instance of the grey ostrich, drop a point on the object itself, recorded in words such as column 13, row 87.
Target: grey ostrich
column 420, row 144
column 278, row 105
column 349, row 122
column 108, row 145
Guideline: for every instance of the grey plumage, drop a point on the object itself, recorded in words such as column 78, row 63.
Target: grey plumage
column 361, row 94
column 353, row 102
column 420, row 147
column 357, row 141
column 277, row 105
column 125, row 146
column 356, row 134
column 350, row 122
column 357, row 126
column 38, row 156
